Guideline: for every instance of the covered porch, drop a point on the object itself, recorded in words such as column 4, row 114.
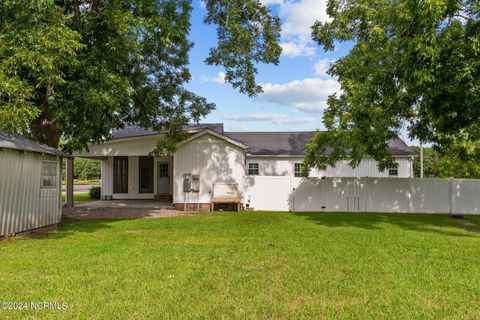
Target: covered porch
column 145, row 180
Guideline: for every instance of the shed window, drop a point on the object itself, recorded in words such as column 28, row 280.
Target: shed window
column 297, row 170
column 120, row 174
column 49, row 174
column 393, row 172
column 145, row 169
column 253, row 169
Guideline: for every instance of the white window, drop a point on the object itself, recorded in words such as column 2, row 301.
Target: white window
column 49, row 174
column 253, row 169
column 393, row 172
column 297, row 170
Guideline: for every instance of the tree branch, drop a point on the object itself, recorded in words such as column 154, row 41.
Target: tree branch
column 463, row 16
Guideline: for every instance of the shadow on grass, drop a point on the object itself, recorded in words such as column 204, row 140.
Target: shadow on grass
column 70, row 226
column 432, row 223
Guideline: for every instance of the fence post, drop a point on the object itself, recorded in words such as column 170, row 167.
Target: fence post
column 410, row 194
column 450, row 190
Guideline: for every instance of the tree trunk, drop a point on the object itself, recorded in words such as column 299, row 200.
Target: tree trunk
column 43, row 129
column 95, row 5
column 76, row 11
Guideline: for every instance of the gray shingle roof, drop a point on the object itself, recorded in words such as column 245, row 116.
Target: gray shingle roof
column 135, row 131
column 292, row 143
column 260, row 143
column 21, row 143
column 273, row 143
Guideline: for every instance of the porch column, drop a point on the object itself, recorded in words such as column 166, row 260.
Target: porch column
column 69, row 186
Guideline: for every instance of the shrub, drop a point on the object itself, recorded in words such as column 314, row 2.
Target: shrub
column 95, row 193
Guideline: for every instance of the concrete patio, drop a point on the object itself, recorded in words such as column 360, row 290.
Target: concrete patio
column 122, row 209
column 132, row 204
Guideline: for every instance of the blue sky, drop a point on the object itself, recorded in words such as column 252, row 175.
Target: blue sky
column 295, row 91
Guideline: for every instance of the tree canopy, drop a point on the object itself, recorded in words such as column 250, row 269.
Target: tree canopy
column 436, row 165
column 414, row 65
column 74, row 70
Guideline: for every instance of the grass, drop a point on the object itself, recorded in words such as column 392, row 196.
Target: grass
column 250, row 265
column 78, row 196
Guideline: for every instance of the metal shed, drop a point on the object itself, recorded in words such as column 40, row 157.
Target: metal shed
column 30, row 185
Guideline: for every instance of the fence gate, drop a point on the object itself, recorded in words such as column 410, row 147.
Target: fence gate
column 353, row 194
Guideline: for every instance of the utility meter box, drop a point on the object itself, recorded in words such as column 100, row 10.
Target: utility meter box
column 195, row 183
column 187, row 182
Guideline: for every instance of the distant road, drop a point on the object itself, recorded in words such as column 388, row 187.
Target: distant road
column 81, row 187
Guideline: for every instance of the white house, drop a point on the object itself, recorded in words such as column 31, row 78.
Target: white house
column 30, row 185
column 212, row 161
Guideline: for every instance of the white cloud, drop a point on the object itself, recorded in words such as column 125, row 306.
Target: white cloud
column 309, row 95
column 321, row 67
column 298, row 18
column 297, row 49
column 203, row 5
column 219, row 78
column 278, row 118
column 271, row 2
column 237, row 127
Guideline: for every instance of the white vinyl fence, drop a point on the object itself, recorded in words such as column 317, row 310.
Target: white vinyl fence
column 281, row 193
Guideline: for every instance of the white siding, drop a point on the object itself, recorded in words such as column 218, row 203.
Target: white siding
column 139, row 146
column 107, row 176
column 133, row 182
column 274, row 166
column 215, row 160
column 24, row 205
column 284, row 166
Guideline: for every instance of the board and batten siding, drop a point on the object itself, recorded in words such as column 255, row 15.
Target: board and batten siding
column 136, row 146
column 214, row 159
column 284, row 166
column 24, row 204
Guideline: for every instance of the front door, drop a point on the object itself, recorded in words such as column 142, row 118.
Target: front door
column 163, row 177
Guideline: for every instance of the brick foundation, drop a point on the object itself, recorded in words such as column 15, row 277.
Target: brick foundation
column 208, row 207
column 162, row 197
column 193, row 206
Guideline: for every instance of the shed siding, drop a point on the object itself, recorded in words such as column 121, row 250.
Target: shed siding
column 284, row 166
column 24, row 205
column 215, row 160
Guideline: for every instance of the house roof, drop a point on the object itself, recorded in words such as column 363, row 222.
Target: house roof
column 260, row 143
column 24, row 144
column 273, row 143
column 216, row 134
column 136, row 131
column 292, row 143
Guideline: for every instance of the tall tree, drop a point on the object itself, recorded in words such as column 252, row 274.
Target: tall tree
column 76, row 69
column 413, row 64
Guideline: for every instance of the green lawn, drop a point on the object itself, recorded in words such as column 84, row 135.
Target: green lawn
column 251, row 265
column 78, row 196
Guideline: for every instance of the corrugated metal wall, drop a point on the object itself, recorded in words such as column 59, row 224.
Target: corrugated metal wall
column 24, row 205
